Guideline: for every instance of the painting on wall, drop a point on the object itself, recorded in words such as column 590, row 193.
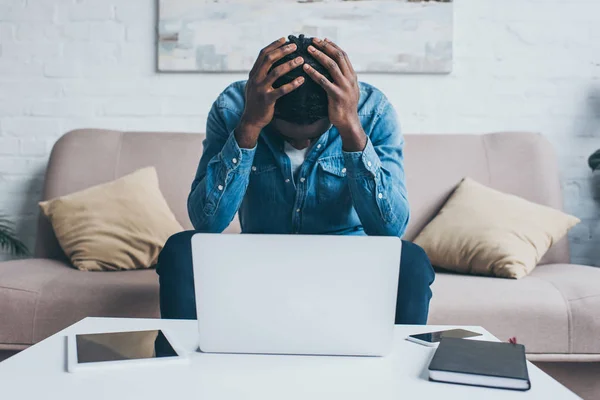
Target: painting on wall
column 402, row 36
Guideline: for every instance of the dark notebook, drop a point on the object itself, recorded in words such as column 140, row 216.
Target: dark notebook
column 479, row 363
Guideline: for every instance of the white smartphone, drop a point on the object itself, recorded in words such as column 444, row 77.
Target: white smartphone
column 432, row 339
column 93, row 351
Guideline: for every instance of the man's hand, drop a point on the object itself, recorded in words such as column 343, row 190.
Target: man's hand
column 343, row 93
column 260, row 94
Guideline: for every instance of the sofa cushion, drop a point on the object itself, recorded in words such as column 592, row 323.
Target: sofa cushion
column 120, row 225
column 483, row 231
column 40, row 297
column 580, row 289
column 555, row 310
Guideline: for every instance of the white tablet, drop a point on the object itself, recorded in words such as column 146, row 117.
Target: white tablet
column 91, row 351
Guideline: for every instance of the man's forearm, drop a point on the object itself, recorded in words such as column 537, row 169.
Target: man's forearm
column 353, row 137
column 378, row 195
column 382, row 210
column 212, row 214
column 246, row 135
column 218, row 189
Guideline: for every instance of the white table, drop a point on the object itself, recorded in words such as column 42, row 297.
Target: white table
column 40, row 373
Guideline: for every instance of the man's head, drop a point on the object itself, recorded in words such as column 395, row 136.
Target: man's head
column 301, row 114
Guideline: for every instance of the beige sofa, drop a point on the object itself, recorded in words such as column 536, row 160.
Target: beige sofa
column 555, row 312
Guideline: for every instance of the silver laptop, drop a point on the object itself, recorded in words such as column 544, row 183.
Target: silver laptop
column 296, row 294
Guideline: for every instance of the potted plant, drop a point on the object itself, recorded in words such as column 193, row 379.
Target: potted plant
column 594, row 161
column 8, row 240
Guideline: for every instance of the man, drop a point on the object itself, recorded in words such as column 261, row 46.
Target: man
column 300, row 148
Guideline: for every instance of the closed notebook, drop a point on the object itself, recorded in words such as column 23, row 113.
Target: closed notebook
column 480, row 363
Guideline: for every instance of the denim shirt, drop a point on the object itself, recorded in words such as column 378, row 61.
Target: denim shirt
column 336, row 192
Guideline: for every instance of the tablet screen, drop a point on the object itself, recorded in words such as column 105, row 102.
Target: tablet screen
column 118, row 346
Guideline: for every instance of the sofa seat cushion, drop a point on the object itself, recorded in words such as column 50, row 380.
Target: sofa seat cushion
column 555, row 310
column 39, row 297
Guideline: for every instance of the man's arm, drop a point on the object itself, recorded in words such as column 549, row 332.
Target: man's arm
column 224, row 170
column 375, row 167
column 221, row 179
column 376, row 178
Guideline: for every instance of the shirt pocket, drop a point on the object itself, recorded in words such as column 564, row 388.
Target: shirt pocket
column 332, row 186
column 262, row 185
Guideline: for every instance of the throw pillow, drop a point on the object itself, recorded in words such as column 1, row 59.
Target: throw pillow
column 486, row 232
column 120, row 225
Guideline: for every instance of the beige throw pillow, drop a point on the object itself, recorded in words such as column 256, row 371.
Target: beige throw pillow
column 485, row 232
column 120, row 225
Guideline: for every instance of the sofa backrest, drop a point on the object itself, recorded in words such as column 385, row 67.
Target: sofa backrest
column 519, row 163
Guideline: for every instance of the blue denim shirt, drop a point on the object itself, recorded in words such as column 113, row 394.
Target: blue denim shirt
column 335, row 192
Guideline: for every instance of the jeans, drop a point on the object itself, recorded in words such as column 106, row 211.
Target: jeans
column 177, row 297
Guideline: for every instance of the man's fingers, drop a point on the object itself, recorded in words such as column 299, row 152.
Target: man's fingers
column 272, row 57
column 335, row 53
column 259, row 60
column 287, row 88
column 283, row 69
column 339, row 53
column 320, row 79
column 328, row 63
column 273, row 45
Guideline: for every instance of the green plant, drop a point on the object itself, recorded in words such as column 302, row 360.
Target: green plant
column 8, row 241
column 594, row 161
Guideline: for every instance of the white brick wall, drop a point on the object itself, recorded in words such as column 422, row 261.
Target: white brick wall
column 519, row 65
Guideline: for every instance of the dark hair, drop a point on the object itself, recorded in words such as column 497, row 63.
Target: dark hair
column 308, row 103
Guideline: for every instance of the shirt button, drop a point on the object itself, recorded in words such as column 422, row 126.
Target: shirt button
column 343, row 170
column 234, row 161
column 302, row 180
column 220, row 187
column 318, row 146
column 369, row 163
column 287, row 181
column 380, row 195
column 253, row 168
column 297, row 210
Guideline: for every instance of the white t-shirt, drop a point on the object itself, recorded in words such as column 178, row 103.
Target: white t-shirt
column 296, row 156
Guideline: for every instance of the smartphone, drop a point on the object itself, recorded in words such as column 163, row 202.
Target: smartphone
column 432, row 339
